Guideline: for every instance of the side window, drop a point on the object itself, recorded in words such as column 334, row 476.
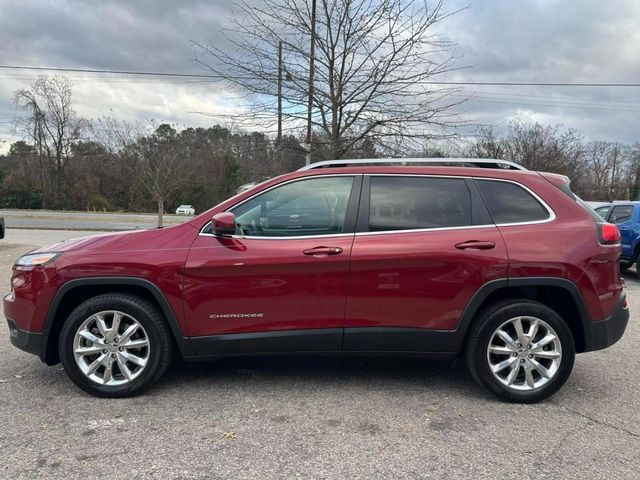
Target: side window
column 510, row 203
column 405, row 203
column 316, row 206
column 621, row 214
column 603, row 211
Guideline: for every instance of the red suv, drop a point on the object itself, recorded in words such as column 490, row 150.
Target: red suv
column 479, row 258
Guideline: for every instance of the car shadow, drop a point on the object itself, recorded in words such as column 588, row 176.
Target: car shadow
column 630, row 276
column 283, row 372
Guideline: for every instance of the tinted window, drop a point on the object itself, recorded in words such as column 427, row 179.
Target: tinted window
column 621, row 214
column 316, row 206
column 402, row 203
column 510, row 203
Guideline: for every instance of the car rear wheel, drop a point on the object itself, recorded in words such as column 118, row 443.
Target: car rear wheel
column 115, row 345
column 638, row 266
column 520, row 350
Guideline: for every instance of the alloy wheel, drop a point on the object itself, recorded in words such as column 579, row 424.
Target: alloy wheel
column 524, row 353
column 111, row 348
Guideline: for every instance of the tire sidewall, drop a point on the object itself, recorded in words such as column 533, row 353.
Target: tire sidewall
column 494, row 320
column 144, row 314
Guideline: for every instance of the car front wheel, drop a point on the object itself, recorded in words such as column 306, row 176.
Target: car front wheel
column 115, row 345
column 520, row 350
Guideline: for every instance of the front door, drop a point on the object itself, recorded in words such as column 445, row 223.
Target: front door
column 278, row 284
column 622, row 216
column 421, row 252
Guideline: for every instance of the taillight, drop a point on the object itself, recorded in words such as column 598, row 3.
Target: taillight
column 608, row 233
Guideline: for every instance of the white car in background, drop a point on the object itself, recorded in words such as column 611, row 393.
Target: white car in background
column 185, row 210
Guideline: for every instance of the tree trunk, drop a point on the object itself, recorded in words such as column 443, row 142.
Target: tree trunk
column 160, row 212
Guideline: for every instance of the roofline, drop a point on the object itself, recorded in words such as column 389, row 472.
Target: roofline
column 479, row 162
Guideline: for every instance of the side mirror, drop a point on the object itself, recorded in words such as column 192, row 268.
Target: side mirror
column 223, row 223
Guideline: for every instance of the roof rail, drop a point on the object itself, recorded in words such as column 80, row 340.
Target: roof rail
column 478, row 162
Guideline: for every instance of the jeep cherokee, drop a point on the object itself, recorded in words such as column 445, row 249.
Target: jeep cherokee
column 475, row 258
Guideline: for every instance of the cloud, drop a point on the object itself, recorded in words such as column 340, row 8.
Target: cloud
column 500, row 40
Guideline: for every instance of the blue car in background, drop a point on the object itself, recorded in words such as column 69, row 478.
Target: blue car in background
column 626, row 215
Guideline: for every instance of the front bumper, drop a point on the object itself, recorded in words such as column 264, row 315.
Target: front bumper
column 604, row 333
column 32, row 342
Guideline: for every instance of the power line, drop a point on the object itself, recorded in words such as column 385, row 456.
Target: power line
column 222, row 77
column 117, row 72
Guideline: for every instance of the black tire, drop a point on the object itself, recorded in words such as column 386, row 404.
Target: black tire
column 153, row 323
column 625, row 266
column 483, row 328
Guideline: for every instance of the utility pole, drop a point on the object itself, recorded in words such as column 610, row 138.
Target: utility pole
column 279, row 93
column 312, row 51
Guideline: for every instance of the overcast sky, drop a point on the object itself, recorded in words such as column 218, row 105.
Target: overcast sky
column 501, row 40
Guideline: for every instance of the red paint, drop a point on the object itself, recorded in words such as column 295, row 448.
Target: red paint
column 419, row 279
column 411, row 279
column 270, row 277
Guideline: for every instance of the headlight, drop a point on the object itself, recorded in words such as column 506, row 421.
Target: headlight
column 36, row 259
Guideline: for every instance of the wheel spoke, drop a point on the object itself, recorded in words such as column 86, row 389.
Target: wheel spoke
column 88, row 350
column 540, row 368
column 550, row 354
column 517, row 324
column 128, row 332
column 133, row 358
column 122, row 365
column 138, row 343
column 87, row 335
column 504, row 364
column 102, row 325
column 547, row 339
column 95, row 364
column 506, row 338
column 115, row 325
column 528, row 376
column 108, row 373
column 515, row 369
column 533, row 329
column 501, row 350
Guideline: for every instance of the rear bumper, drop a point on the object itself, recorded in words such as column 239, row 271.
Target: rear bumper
column 604, row 333
column 31, row 342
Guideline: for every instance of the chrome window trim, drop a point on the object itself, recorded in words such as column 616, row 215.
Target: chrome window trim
column 550, row 211
column 292, row 237
column 424, row 230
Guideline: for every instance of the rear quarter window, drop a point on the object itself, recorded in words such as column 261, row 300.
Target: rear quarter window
column 510, row 203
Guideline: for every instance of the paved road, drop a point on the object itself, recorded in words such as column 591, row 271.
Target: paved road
column 318, row 418
column 56, row 220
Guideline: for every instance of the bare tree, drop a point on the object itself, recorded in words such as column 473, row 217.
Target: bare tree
column 488, row 144
column 374, row 60
column 162, row 164
column 53, row 126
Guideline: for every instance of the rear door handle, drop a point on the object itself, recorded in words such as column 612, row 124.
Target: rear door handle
column 475, row 245
column 323, row 251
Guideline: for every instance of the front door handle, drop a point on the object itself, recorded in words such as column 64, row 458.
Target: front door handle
column 475, row 245
column 323, row 251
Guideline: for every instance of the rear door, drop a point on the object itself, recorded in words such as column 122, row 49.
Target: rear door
column 424, row 246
